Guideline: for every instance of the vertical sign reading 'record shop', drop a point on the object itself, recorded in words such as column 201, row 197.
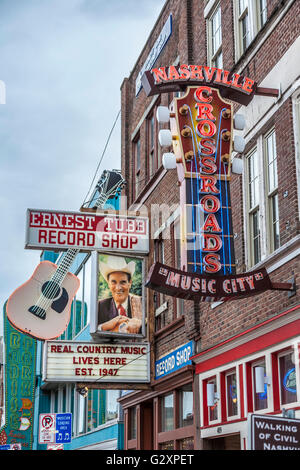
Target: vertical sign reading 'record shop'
column 20, row 359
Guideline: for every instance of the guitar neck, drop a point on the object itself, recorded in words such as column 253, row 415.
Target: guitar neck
column 70, row 255
column 207, row 222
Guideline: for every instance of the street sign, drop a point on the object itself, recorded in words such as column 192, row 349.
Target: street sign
column 63, row 428
column 274, row 433
column 55, row 447
column 55, row 428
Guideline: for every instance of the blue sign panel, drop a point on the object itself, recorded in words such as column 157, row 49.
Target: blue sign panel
column 63, row 428
column 173, row 361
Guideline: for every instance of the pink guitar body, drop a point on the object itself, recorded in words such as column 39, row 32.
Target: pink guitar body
column 41, row 307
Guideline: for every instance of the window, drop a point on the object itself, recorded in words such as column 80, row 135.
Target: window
column 272, row 190
column 231, row 394
column 167, row 413
column 244, row 29
column 137, row 165
column 215, row 39
column 186, row 406
column 213, row 410
column 151, row 149
column 261, row 12
column 251, row 15
column 261, row 398
column 253, row 201
column 132, row 423
column 287, row 377
column 111, row 404
column 92, row 409
column 263, row 235
column 176, row 415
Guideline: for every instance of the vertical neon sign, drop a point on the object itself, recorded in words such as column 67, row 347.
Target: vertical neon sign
column 204, row 125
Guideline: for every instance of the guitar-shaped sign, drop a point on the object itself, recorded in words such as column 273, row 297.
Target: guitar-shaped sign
column 202, row 128
column 41, row 306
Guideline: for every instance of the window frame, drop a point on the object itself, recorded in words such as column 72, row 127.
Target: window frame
column 257, row 18
column 270, row 194
column 262, row 207
column 281, row 354
column 261, row 362
column 214, row 55
column 136, row 152
column 226, row 375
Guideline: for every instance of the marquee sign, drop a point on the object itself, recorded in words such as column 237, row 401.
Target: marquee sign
column 72, row 361
column 106, row 231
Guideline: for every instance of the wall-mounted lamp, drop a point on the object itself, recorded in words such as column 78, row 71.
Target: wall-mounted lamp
column 237, row 166
column 260, row 379
column 165, row 137
column 239, row 122
column 212, row 396
column 169, row 161
column 163, row 114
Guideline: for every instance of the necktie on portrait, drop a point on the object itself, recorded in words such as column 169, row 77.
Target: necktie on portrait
column 122, row 310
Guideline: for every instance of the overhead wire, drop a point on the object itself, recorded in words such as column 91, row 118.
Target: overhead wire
column 101, row 158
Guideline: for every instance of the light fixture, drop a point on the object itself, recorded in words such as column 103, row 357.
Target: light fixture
column 212, row 396
column 239, row 144
column 165, row 137
column 169, row 161
column 239, row 122
column 83, row 391
column 260, row 379
column 237, row 166
column 163, row 114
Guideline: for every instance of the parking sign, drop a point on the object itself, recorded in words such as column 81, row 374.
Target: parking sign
column 55, row 428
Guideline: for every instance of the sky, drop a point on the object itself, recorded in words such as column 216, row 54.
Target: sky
column 62, row 63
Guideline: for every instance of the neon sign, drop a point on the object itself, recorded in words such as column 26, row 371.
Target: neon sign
column 289, row 381
column 201, row 128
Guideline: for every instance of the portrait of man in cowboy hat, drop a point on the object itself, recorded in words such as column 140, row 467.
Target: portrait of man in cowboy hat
column 122, row 310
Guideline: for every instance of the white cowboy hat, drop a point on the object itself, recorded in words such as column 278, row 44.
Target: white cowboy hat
column 116, row 263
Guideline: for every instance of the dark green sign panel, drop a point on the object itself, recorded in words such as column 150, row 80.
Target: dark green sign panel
column 19, row 384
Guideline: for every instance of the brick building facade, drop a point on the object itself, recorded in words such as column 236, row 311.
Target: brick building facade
column 258, row 39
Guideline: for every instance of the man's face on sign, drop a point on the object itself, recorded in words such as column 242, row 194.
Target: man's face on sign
column 119, row 285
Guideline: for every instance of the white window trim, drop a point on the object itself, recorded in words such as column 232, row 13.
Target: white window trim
column 266, row 247
column 235, row 371
column 254, row 26
column 257, row 363
column 294, row 351
column 210, row 55
column 217, row 379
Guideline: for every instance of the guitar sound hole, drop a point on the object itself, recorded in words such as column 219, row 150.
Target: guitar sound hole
column 50, row 289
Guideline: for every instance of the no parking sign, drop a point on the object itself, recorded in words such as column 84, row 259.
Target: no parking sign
column 55, row 428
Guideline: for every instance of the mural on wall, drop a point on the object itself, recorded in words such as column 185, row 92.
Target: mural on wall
column 19, row 386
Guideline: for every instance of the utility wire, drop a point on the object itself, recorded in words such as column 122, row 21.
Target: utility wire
column 104, row 150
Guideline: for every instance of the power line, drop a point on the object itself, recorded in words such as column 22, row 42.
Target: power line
column 104, row 150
